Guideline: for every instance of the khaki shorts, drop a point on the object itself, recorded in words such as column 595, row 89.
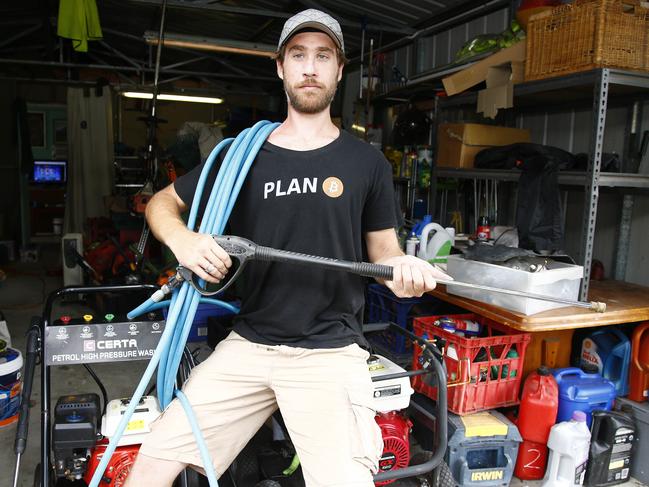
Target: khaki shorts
column 325, row 396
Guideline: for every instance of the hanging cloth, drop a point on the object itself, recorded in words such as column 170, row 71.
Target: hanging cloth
column 90, row 156
column 79, row 21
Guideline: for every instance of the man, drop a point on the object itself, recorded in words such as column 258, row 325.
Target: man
column 297, row 343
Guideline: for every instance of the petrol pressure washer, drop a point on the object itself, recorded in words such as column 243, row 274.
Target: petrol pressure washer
column 76, row 429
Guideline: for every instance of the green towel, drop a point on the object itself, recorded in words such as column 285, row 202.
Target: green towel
column 79, row 21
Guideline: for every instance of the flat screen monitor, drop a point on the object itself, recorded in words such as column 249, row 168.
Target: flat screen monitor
column 50, row 172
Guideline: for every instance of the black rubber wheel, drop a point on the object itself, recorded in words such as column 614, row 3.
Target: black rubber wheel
column 245, row 468
column 268, row 483
column 191, row 478
column 442, row 476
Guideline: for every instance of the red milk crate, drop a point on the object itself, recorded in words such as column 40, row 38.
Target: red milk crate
column 483, row 372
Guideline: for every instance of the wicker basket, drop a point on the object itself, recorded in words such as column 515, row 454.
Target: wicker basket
column 588, row 34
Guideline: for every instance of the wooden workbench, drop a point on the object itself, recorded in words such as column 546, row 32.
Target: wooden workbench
column 625, row 303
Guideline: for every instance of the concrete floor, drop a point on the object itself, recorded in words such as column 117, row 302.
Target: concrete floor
column 22, row 296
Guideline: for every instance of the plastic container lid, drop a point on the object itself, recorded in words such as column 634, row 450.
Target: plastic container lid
column 10, row 362
column 579, row 416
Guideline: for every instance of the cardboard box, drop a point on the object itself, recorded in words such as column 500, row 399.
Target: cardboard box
column 500, row 88
column 458, row 143
column 477, row 72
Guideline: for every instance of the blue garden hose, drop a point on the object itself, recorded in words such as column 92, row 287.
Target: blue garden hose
column 185, row 299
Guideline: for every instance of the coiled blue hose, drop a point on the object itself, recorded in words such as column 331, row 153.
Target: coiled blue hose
column 185, row 299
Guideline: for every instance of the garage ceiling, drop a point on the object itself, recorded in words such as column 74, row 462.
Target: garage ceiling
column 30, row 49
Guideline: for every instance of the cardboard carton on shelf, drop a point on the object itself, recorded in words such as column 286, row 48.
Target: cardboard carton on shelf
column 477, row 72
column 458, row 143
column 501, row 71
column 499, row 92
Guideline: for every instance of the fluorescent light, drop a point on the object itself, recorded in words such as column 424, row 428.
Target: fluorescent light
column 360, row 128
column 171, row 97
column 211, row 44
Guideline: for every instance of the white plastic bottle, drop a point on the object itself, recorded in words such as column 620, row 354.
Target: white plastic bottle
column 569, row 443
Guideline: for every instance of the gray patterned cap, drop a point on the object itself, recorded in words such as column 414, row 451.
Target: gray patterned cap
column 316, row 20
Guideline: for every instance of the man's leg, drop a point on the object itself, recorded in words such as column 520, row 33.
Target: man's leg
column 231, row 399
column 149, row 472
column 325, row 397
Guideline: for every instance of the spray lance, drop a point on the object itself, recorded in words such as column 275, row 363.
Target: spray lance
column 243, row 251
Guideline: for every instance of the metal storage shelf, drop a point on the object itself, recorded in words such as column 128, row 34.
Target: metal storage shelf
column 574, row 87
column 597, row 86
column 568, row 178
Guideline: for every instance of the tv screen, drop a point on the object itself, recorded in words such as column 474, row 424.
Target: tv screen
column 50, row 171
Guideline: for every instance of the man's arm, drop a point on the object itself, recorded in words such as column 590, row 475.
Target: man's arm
column 194, row 251
column 412, row 276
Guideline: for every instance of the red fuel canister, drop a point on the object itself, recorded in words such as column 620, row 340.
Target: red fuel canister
column 537, row 415
column 639, row 367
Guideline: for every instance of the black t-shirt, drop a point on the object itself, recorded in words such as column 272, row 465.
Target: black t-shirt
column 317, row 202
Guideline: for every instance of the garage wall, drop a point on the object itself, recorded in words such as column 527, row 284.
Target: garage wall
column 439, row 49
column 9, row 214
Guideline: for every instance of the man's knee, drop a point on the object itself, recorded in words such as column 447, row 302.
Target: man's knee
column 153, row 472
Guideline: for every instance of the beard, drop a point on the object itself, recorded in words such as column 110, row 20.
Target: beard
column 311, row 101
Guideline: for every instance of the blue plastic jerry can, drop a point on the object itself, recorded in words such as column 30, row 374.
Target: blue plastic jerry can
column 580, row 391
column 610, row 351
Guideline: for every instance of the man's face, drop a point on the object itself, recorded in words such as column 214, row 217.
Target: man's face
column 310, row 71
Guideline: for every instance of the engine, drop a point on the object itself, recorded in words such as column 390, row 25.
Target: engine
column 391, row 396
column 119, row 466
column 79, row 446
column 74, row 434
column 395, row 429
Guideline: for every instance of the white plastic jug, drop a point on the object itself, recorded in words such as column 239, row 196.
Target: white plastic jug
column 569, row 444
column 436, row 248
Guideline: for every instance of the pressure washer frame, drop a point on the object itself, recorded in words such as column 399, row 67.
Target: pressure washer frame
column 37, row 348
column 43, row 477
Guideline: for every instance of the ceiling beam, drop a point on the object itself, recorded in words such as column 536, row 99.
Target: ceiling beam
column 20, row 35
column 354, row 9
column 443, row 22
column 54, row 64
column 202, row 43
column 271, row 13
column 121, row 55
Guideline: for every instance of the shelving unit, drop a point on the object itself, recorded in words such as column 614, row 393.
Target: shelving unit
column 566, row 178
column 598, row 85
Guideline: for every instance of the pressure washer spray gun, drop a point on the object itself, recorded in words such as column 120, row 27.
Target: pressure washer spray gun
column 243, row 251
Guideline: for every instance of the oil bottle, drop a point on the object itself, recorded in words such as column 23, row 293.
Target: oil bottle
column 611, row 443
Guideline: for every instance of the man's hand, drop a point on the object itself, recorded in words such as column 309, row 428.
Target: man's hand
column 201, row 254
column 412, row 276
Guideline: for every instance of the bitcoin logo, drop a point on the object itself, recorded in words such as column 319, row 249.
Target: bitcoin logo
column 333, row 187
